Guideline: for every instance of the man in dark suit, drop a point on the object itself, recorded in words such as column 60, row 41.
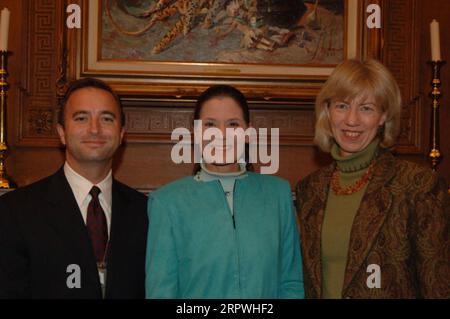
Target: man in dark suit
column 78, row 233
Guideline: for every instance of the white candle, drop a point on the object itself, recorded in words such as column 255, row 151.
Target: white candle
column 435, row 41
column 4, row 29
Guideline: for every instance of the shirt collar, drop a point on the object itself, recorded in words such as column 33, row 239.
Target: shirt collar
column 82, row 186
column 206, row 175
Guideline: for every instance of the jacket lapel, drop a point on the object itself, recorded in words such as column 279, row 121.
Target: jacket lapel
column 312, row 227
column 120, row 202
column 65, row 218
column 370, row 216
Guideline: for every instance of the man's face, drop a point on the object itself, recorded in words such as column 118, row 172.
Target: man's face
column 92, row 129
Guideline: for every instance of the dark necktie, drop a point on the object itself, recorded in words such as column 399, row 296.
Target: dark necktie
column 96, row 225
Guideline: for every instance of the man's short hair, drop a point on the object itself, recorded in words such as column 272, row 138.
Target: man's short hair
column 89, row 83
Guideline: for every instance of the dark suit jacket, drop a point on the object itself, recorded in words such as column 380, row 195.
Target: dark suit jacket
column 42, row 232
column 402, row 225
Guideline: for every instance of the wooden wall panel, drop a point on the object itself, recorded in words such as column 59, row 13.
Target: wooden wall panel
column 38, row 100
column 401, row 56
column 38, row 73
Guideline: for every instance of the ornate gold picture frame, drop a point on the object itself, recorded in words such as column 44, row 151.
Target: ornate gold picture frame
column 149, row 75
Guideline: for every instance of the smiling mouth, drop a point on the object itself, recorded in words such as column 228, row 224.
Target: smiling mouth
column 352, row 134
column 94, row 142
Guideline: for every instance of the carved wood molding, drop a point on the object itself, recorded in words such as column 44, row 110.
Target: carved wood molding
column 155, row 125
column 37, row 99
column 373, row 45
column 401, row 54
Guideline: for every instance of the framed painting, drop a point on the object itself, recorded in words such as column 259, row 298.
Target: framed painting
column 278, row 49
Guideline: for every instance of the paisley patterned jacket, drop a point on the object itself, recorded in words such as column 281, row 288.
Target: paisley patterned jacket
column 402, row 225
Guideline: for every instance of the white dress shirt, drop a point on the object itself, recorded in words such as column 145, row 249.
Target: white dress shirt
column 81, row 187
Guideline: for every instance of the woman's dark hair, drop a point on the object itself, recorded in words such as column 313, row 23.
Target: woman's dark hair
column 218, row 91
column 222, row 91
column 89, row 83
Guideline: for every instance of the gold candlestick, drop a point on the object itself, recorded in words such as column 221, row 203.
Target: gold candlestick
column 4, row 181
column 435, row 154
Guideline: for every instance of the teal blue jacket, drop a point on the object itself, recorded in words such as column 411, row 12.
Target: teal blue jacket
column 197, row 249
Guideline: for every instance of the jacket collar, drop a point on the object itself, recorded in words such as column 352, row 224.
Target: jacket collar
column 120, row 203
column 65, row 217
column 370, row 216
column 367, row 223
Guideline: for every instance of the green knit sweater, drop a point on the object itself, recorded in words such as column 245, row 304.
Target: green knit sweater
column 338, row 220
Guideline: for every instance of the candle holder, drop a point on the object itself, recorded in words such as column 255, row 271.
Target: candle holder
column 435, row 154
column 4, row 181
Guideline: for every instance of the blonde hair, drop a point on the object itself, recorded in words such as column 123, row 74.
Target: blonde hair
column 354, row 78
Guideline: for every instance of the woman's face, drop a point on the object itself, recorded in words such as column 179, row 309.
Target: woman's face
column 222, row 113
column 355, row 123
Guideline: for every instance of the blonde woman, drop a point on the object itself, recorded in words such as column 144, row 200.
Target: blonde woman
column 371, row 225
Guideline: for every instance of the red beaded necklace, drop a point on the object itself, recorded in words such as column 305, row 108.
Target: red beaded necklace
column 355, row 187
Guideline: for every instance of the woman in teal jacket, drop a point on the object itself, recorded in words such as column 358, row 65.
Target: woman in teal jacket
column 225, row 232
